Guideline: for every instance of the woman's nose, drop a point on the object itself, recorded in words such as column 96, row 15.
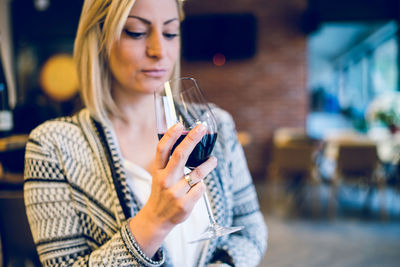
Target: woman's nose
column 155, row 45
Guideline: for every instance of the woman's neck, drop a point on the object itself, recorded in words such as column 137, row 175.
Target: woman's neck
column 138, row 112
column 137, row 131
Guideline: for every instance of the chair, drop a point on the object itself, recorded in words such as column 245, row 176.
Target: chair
column 292, row 168
column 17, row 244
column 357, row 163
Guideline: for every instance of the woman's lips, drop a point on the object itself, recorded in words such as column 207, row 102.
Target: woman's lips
column 154, row 73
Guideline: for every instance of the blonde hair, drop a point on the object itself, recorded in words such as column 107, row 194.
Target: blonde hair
column 100, row 24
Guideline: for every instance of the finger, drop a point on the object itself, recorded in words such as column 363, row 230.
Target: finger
column 165, row 145
column 197, row 175
column 195, row 193
column 182, row 151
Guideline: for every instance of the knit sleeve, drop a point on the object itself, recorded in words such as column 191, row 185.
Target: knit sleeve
column 63, row 231
column 246, row 247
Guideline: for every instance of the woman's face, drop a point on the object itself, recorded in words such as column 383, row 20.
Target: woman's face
column 147, row 51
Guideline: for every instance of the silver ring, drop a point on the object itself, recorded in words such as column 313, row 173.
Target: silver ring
column 189, row 180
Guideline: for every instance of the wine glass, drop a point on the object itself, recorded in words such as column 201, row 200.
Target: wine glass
column 181, row 100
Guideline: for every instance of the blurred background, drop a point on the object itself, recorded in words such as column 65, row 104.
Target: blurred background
column 313, row 86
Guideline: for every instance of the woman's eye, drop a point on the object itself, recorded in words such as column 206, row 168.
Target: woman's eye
column 135, row 35
column 170, row 36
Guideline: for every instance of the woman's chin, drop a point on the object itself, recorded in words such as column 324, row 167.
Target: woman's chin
column 149, row 87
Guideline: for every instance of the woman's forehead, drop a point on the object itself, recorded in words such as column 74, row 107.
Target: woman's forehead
column 155, row 9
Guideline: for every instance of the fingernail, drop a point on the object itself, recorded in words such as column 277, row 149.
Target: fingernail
column 200, row 128
column 178, row 127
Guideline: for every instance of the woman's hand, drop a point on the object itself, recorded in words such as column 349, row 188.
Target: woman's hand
column 171, row 199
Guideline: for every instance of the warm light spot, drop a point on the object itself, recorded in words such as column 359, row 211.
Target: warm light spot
column 244, row 138
column 58, row 77
column 219, row 59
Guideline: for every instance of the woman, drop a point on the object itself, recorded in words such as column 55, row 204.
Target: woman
column 101, row 190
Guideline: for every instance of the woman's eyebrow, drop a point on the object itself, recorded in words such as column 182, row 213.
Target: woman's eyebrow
column 145, row 21
column 170, row 20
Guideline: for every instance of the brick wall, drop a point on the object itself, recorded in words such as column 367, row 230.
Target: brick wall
column 267, row 91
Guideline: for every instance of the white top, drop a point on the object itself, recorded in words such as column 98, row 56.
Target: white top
column 177, row 241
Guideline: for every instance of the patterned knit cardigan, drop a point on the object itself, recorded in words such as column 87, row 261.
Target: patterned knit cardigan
column 78, row 202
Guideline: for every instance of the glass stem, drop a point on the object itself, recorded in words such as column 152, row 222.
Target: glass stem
column 208, row 207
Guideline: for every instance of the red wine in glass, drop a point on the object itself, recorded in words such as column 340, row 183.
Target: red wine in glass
column 202, row 150
column 181, row 100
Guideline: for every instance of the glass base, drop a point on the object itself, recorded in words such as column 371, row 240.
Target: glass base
column 215, row 230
